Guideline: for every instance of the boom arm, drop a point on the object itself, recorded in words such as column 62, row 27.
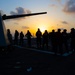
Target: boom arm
column 4, row 17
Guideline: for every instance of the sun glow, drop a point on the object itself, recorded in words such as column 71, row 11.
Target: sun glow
column 42, row 28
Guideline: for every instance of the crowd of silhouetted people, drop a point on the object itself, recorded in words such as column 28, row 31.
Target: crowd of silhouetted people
column 59, row 41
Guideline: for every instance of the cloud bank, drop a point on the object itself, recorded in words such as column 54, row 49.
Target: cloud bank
column 64, row 22
column 20, row 10
column 69, row 7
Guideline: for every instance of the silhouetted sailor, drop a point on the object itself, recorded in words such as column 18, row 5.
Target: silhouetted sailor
column 4, row 42
column 38, row 38
column 21, row 38
column 9, row 36
column 59, row 40
column 45, row 39
column 16, row 37
column 65, row 39
column 28, row 35
column 52, row 36
column 72, row 35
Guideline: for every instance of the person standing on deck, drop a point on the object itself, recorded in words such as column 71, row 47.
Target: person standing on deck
column 21, row 38
column 65, row 39
column 9, row 35
column 16, row 35
column 52, row 37
column 38, row 38
column 45, row 39
column 28, row 35
column 59, row 41
column 72, row 36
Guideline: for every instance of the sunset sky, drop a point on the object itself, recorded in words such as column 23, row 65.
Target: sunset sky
column 60, row 14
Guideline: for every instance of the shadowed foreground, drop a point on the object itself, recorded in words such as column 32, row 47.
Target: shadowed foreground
column 22, row 61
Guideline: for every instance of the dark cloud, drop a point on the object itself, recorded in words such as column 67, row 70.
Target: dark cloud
column 64, row 22
column 25, row 27
column 20, row 10
column 69, row 7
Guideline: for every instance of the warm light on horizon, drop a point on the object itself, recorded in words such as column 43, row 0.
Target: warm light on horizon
column 43, row 27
